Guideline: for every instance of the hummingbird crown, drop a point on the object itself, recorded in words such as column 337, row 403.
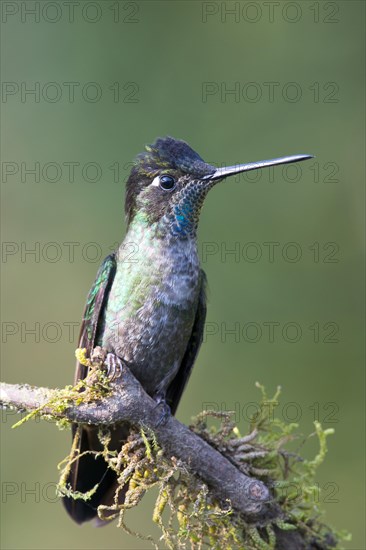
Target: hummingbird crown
column 172, row 153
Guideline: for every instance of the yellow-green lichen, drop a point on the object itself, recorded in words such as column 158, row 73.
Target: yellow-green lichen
column 190, row 516
column 186, row 511
column 92, row 388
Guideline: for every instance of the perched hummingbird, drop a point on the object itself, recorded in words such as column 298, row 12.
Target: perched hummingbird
column 147, row 306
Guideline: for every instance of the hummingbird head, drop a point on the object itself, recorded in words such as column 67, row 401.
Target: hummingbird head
column 167, row 185
column 169, row 182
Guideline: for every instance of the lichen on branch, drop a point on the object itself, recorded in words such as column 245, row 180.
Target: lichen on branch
column 216, row 488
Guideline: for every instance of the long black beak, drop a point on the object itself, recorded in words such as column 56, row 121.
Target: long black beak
column 232, row 170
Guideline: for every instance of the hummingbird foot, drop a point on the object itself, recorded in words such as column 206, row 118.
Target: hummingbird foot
column 165, row 409
column 114, row 366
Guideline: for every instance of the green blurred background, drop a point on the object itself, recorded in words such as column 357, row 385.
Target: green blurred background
column 175, row 64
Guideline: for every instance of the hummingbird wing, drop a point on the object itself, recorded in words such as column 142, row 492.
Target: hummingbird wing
column 88, row 471
column 176, row 387
column 94, row 306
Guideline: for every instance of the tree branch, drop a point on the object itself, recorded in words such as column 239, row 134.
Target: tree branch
column 128, row 402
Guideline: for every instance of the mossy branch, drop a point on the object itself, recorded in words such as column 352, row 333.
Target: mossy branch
column 238, row 472
column 128, row 402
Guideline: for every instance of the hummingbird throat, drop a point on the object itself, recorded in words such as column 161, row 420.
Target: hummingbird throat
column 184, row 215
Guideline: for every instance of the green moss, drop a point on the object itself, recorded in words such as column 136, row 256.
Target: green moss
column 189, row 516
column 93, row 388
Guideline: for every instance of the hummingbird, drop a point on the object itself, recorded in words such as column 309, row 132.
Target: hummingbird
column 147, row 306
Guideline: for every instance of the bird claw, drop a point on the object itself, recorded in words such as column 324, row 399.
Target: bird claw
column 114, row 366
column 166, row 411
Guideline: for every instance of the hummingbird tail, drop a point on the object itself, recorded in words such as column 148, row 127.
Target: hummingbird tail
column 90, row 470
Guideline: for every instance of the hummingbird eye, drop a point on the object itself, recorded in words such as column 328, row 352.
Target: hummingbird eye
column 167, row 182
